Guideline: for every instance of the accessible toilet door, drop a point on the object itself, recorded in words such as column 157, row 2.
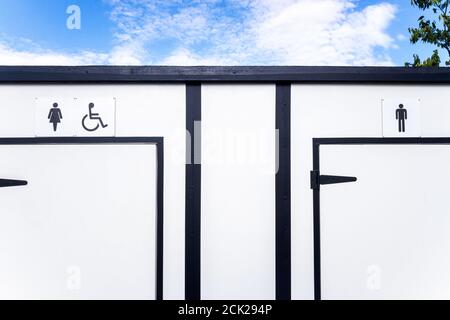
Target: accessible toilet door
column 386, row 235
column 85, row 225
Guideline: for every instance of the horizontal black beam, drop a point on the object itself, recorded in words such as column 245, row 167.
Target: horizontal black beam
column 83, row 140
column 367, row 141
column 126, row 74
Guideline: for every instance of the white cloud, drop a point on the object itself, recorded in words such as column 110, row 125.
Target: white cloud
column 127, row 54
column 11, row 55
column 185, row 57
column 247, row 32
column 282, row 32
column 401, row 37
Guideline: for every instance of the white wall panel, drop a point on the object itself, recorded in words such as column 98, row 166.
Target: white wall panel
column 238, row 192
column 142, row 110
column 342, row 111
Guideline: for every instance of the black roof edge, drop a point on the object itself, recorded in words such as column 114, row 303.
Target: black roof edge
column 300, row 74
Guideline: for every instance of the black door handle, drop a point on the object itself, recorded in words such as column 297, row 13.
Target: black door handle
column 317, row 179
column 6, row 183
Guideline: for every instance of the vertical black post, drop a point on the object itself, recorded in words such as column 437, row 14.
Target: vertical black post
column 193, row 189
column 283, row 192
column 160, row 220
column 316, row 223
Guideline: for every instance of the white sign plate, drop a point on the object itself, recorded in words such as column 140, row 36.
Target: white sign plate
column 65, row 117
column 401, row 118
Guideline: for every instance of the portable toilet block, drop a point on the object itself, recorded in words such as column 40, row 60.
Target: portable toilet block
column 233, row 183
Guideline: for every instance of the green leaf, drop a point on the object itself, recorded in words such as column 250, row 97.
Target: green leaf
column 434, row 29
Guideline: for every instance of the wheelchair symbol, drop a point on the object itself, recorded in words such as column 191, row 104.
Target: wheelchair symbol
column 93, row 116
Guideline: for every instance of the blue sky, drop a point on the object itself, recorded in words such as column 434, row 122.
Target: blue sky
column 209, row 32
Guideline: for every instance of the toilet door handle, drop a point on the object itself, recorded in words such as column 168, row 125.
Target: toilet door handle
column 6, row 183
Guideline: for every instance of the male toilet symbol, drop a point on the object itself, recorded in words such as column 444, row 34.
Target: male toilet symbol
column 55, row 116
column 92, row 116
column 401, row 115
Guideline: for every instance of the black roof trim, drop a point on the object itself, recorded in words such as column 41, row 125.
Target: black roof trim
column 126, row 74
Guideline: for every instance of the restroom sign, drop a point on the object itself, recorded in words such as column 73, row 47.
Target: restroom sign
column 75, row 117
column 401, row 117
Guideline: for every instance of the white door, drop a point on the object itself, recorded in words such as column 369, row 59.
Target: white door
column 385, row 236
column 84, row 227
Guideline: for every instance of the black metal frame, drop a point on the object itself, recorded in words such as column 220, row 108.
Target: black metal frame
column 283, row 192
column 317, row 142
column 159, row 142
column 193, row 193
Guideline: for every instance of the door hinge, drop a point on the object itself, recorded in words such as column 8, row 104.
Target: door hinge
column 317, row 179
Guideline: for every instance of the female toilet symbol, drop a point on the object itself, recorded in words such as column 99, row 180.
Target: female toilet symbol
column 55, row 116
